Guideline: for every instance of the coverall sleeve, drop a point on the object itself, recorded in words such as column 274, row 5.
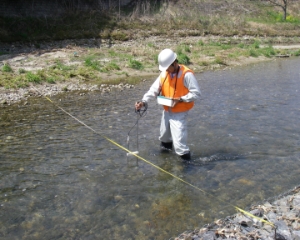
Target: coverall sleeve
column 153, row 91
column 191, row 83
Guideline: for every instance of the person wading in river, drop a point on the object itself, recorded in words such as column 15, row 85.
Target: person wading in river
column 179, row 83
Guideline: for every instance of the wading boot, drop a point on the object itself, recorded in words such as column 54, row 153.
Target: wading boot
column 166, row 146
column 186, row 156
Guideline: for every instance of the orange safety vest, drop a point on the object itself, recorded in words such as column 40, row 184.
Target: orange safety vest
column 174, row 88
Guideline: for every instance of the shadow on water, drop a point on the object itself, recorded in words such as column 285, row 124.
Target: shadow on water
column 59, row 180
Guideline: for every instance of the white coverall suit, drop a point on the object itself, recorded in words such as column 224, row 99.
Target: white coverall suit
column 174, row 125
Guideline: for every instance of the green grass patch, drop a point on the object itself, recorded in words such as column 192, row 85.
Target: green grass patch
column 183, row 59
column 110, row 67
column 220, row 60
column 214, row 43
column 22, row 70
column 112, row 53
column 6, row 68
column 200, row 43
column 34, row 78
column 268, row 51
column 186, row 48
column 297, row 53
column 135, row 64
column 50, row 80
column 226, row 46
column 181, row 56
column 151, row 45
column 84, row 73
column 253, row 53
column 256, row 44
column 235, row 54
column 59, row 65
column 92, row 63
column 292, row 19
column 256, row 52
column 241, row 45
column 273, row 17
column 277, row 17
column 204, row 63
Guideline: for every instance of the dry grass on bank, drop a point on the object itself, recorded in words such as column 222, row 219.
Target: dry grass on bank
column 167, row 19
column 205, row 34
column 130, row 62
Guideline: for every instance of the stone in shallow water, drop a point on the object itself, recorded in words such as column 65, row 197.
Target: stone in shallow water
column 244, row 221
column 296, row 201
column 207, row 236
column 296, row 235
column 257, row 212
column 283, row 230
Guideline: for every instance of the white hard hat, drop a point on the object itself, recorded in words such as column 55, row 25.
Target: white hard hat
column 165, row 58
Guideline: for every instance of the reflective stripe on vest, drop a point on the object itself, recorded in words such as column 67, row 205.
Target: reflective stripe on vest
column 174, row 88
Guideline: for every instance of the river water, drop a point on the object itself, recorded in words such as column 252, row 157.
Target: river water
column 61, row 180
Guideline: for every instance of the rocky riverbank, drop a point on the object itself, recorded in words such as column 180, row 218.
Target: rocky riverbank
column 8, row 97
column 281, row 216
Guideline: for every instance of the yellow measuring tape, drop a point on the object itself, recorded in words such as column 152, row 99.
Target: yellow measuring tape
column 159, row 168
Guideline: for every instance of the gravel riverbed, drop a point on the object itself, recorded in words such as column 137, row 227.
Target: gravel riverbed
column 281, row 217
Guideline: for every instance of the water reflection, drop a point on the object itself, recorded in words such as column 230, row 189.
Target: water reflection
column 60, row 180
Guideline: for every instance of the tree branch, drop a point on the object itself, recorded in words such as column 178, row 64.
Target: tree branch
column 276, row 4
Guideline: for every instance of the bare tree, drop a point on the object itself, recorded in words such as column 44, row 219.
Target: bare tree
column 282, row 4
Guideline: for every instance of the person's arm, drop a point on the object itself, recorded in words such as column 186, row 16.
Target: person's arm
column 153, row 91
column 151, row 94
column 191, row 83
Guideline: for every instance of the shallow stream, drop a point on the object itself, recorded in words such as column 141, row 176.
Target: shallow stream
column 60, row 180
